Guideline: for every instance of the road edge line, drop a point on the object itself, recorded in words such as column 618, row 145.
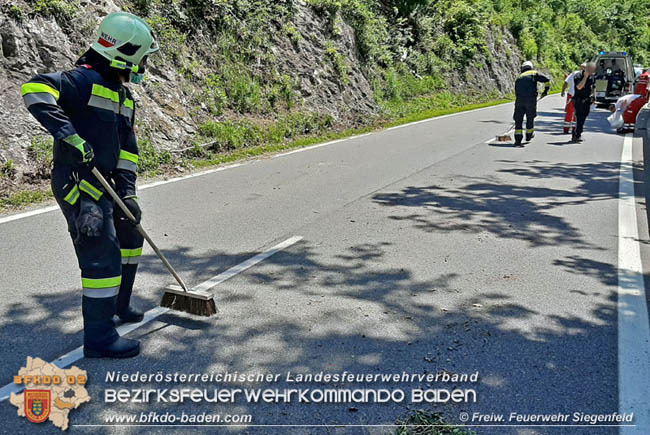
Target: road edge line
column 632, row 310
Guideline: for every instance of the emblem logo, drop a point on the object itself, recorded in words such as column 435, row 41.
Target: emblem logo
column 37, row 405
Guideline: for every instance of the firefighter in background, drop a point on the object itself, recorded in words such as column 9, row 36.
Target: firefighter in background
column 91, row 116
column 570, row 114
column 584, row 97
column 526, row 100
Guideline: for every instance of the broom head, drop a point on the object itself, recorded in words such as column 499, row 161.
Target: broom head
column 195, row 303
column 504, row 138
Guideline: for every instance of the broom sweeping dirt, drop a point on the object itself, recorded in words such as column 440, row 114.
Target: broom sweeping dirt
column 175, row 297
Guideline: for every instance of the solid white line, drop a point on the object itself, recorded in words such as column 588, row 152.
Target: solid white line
column 27, row 214
column 47, row 209
column 77, row 354
column 633, row 327
column 509, row 132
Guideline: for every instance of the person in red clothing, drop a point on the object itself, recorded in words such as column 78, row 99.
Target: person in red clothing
column 642, row 83
column 570, row 114
column 628, row 107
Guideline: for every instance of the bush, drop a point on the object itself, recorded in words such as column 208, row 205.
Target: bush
column 151, row 159
column 40, row 152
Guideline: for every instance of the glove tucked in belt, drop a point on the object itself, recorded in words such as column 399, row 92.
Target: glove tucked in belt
column 90, row 221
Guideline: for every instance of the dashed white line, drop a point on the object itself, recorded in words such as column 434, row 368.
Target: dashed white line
column 77, row 354
column 633, row 327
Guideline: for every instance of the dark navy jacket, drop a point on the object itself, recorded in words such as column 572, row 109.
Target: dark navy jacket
column 526, row 85
column 85, row 105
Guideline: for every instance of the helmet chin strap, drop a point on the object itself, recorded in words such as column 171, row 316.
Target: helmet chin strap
column 136, row 73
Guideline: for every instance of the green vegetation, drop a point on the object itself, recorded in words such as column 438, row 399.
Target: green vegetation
column 340, row 64
column 40, row 152
column 23, row 198
column 423, row 422
column 15, row 13
column 151, row 159
column 60, row 9
column 8, row 169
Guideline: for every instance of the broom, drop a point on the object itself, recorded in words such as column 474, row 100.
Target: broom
column 175, row 297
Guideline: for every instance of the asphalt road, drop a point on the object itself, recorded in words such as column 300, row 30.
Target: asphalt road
column 423, row 249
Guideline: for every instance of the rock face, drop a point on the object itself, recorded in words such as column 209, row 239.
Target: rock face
column 168, row 108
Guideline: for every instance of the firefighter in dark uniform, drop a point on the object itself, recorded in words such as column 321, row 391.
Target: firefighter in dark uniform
column 91, row 116
column 526, row 100
column 584, row 97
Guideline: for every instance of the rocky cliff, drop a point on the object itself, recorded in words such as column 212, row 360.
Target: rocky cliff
column 222, row 62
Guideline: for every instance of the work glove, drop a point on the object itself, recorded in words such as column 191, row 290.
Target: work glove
column 131, row 202
column 81, row 151
column 90, row 221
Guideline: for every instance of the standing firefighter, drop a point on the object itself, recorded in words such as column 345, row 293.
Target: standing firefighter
column 91, row 116
column 583, row 98
column 526, row 100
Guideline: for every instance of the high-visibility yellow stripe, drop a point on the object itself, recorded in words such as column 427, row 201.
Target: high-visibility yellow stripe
column 530, row 130
column 32, row 88
column 101, row 282
column 131, row 252
column 72, row 197
column 129, row 103
column 103, row 92
column 528, row 73
column 125, row 155
column 91, row 190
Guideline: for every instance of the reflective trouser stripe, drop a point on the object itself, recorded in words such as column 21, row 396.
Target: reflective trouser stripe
column 519, row 131
column 91, row 190
column 72, row 197
column 101, row 292
column 101, row 287
column 131, row 256
column 530, row 130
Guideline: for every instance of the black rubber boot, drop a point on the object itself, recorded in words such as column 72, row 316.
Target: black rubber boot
column 530, row 137
column 125, row 312
column 101, row 340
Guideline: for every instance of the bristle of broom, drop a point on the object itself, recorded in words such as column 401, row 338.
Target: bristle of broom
column 188, row 304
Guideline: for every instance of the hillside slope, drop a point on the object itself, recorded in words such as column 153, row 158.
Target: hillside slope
column 239, row 73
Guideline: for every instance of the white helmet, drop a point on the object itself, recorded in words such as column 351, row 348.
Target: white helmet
column 124, row 39
column 527, row 65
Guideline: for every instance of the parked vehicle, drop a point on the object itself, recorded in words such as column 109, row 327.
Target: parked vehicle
column 615, row 76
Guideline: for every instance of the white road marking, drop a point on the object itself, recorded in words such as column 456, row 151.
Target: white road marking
column 493, row 139
column 77, row 354
column 50, row 208
column 633, row 328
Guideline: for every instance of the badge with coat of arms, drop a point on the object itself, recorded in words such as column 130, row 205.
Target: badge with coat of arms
column 37, row 405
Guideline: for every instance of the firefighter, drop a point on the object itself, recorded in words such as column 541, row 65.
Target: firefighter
column 90, row 114
column 526, row 100
column 569, row 111
column 583, row 98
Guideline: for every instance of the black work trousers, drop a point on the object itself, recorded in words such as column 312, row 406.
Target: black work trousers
column 582, row 106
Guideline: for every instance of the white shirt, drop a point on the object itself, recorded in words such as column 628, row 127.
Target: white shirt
column 571, row 82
